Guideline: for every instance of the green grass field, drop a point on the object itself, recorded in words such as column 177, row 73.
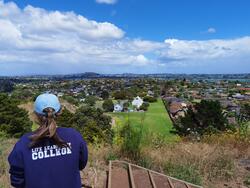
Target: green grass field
column 155, row 121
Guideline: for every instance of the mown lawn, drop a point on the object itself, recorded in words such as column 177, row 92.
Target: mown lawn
column 154, row 121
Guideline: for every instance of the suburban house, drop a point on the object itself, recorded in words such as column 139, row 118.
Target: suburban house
column 232, row 120
column 137, row 102
column 60, row 94
column 177, row 109
column 150, row 93
column 118, row 108
column 238, row 96
column 82, row 99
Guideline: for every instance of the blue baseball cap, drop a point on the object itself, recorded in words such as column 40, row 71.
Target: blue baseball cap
column 46, row 100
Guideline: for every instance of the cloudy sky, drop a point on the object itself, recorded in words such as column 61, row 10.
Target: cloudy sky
column 121, row 36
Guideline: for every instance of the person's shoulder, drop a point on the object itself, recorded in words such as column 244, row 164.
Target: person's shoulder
column 25, row 137
column 70, row 133
column 68, row 130
column 23, row 140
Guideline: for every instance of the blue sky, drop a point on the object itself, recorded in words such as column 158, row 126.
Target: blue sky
column 161, row 19
column 115, row 36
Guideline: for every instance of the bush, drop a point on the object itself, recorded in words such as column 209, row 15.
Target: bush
column 125, row 106
column 144, row 106
column 90, row 100
column 132, row 140
column 145, row 161
column 247, row 181
column 122, row 95
column 150, row 99
column 111, row 156
column 65, row 119
column 108, row 105
column 71, row 100
column 14, row 121
column 105, row 95
column 93, row 124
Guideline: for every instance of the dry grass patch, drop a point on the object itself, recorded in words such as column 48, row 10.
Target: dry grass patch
column 5, row 148
column 210, row 165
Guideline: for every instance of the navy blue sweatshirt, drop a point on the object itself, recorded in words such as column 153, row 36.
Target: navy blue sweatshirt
column 47, row 165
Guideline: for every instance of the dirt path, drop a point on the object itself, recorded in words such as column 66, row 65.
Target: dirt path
column 70, row 107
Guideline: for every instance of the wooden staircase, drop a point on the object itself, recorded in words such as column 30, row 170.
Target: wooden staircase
column 126, row 175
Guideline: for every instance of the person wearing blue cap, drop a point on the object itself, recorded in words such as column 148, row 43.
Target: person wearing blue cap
column 51, row 156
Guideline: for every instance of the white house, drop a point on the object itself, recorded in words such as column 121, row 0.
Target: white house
column 82, row 99
column 137, row 102
column 60, row 94
column 118, row 108
column 238, row 96
column 150, row 93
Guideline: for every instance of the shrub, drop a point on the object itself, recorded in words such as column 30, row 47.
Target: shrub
column 71, row 100
column 111, row 156
column 105, row 95
column 14, row 121
column 144, row 106
column 247, row 181
column 108, row 105
column 150, row 99
column 65, row 118
column 93, row 124
column 145, row 161
column 132, row 140
column 120, row 95
column 90, row 100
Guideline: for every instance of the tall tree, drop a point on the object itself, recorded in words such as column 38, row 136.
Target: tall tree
column 6, row 86
column 206, row 117
column 14, row 121
column 105, row 95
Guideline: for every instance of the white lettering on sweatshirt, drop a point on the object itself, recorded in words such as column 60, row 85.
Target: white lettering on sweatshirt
column 50, row 151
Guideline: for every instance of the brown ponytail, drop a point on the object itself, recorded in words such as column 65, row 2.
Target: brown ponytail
column 47, row 129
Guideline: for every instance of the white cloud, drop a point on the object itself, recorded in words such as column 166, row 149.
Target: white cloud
column 207, row 49
column 211, row 30
column 33, row 21
column 139, row 60
column 209, row 55
column 106, row 1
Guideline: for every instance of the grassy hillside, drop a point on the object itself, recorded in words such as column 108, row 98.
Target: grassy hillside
column 155, row 121
column 211, row 164
column 217, row 161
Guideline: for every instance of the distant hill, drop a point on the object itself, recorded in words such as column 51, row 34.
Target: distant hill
column 91, row 75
